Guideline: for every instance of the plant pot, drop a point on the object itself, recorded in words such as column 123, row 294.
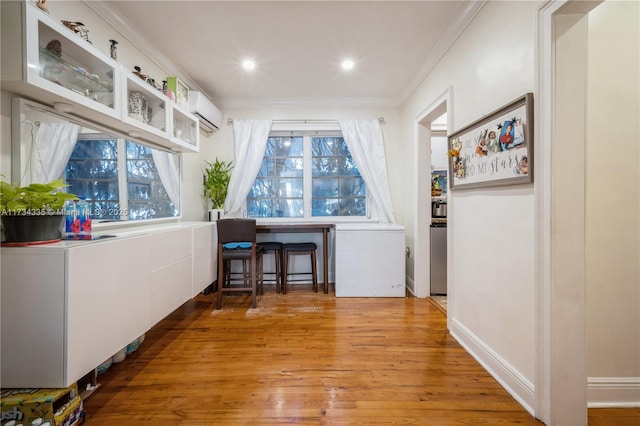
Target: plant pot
column 26, row 229
column 215, row 214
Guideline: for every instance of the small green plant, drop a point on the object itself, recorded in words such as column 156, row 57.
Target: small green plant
column 216, row 182
column 35, row 199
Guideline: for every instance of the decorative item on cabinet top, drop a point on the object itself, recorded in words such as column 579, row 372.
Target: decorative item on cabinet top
column 113, row 49
column 78, row 28
column 180, row 90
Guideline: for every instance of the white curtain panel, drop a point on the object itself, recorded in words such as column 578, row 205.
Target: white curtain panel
column 168, row 166
column 250, row 138
column 364, row 139
column 54, row 145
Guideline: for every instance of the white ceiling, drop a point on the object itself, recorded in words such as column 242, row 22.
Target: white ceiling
column 297, row 45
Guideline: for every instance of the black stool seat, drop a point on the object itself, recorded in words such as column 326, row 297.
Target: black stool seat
column 295, row 249
column 299, row 246
column 274, row 247
column 270, row 245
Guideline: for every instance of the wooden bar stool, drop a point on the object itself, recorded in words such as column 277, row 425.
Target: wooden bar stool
column 237, row 241
column 274, row 247
column 299, row 249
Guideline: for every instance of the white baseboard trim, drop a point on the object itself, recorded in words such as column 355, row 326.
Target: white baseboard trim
column 518, row 386
column 613, row 392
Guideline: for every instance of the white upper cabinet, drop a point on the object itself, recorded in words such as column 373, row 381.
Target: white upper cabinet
column 45, row 61
column 145, row 107
column 58, row 66
column 185, row 128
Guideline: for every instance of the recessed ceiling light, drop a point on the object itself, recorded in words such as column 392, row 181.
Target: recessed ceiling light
column 248, row 65
column 348, row 64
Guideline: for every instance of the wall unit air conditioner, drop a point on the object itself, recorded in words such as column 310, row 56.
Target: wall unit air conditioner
column 210, row 116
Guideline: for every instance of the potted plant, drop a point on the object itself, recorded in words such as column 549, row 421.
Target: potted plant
column 33, row 213
column 216, row 183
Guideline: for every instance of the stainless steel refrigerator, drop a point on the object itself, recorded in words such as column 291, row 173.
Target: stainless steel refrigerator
column 439, row 258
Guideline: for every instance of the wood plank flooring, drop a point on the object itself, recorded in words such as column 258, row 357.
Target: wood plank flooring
column 302, row 358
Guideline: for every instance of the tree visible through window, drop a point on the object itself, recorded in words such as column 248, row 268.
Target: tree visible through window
column 307, row 176
column 94, row 172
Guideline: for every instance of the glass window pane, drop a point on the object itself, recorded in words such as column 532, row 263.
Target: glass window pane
column 336, row 188
column 92, row 173
column 146, row 194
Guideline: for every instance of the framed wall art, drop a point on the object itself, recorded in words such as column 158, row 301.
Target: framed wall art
column 494, row 150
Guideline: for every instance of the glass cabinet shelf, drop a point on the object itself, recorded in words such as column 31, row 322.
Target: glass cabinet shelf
column 77, row 77
column 71, row 62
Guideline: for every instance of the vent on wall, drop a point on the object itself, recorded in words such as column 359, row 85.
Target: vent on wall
column 209, row 115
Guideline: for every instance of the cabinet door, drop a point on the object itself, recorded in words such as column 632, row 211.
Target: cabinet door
column 49, row 61
column 205, row 240
column 171, row 276
column 32, row 318
column 184, row 129
column 170, row 288
column 169, row 246
column 108, row 300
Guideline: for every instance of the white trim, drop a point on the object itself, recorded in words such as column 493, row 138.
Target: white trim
column 543, row 107
column 422, row 159
column 610, row 392
column 515, row 383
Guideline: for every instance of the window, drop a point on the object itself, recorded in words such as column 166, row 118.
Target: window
column 98, row 165
column 307, row 175
column 121, row 178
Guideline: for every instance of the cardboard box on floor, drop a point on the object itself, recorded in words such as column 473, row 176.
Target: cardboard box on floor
column 61, row 407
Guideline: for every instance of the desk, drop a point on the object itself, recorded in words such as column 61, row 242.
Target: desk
column 303, row 227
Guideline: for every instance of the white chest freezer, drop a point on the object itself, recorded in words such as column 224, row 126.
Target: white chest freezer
column 370, row 260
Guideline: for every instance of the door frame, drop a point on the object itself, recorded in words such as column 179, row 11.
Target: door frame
column 422, row 250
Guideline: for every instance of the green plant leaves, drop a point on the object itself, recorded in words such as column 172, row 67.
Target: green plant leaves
column 35, row 197
column 216, row 182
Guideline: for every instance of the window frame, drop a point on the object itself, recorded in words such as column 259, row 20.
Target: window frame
column 23, row 137
column 308, row 131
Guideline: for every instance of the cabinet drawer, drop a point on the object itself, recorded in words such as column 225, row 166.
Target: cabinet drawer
column 169, row 247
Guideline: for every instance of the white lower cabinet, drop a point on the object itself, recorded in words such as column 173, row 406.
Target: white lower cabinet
column 205, row 256
column 67, row 307
column 170, row 288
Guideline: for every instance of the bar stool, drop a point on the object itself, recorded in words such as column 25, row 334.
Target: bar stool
column 298, row 249
column 274, row 247
column 237, row 241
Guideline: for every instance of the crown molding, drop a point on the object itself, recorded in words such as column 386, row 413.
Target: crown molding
column 442, row 46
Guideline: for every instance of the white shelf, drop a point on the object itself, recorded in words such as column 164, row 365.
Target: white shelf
column 45, row 61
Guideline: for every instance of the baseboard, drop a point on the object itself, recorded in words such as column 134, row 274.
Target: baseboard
column 613, row 392
column 521, row 389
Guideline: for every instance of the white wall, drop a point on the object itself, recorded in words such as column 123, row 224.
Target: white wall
column 612, row 203
column 491, row 231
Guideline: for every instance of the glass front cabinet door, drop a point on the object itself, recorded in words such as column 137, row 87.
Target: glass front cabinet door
column 44, row 59
column 185, row 129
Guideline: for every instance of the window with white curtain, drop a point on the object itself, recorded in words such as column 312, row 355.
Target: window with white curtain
column 119, row 178
column 307, row 174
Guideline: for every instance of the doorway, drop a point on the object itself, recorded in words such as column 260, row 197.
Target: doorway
column 429, row 125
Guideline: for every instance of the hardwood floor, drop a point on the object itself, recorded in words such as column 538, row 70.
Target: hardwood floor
column 302, row 358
